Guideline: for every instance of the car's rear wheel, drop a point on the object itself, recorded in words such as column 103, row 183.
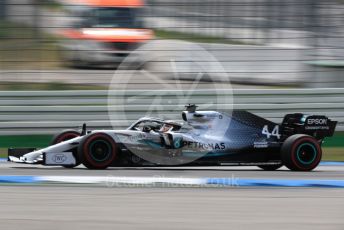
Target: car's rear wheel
column 270, row 167
column 65, row 136
column 97, row 151
column 301, row 152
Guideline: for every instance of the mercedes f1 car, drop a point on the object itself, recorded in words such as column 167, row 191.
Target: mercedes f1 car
column 205, row 138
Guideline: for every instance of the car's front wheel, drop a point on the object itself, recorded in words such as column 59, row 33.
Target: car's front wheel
column 65, row 136
column 301, row 152
column 97, row 151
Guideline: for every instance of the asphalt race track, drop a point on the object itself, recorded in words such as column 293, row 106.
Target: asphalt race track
column 84, row 206
column 41, row 208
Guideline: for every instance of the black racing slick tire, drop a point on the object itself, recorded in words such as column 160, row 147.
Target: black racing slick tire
column 301, row 152
column 64, row 136
column 270, row 167
column 97, row 151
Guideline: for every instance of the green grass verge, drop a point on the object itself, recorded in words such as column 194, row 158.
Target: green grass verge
column 163, row 34
column 3, row 153
column 38, row 141
column 333, row 154
column 23, row 141
column 333, row 148
column 336, row 141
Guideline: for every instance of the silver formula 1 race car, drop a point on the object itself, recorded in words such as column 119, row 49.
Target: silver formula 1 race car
column 205, row 138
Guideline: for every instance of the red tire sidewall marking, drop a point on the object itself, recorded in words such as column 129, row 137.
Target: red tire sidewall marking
column 66, row 136
column 86, row 150
column 296, row 144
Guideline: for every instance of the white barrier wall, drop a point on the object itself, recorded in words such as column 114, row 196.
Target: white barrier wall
column 45, row 112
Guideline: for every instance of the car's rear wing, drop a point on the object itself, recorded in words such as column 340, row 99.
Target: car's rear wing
column 318, row 126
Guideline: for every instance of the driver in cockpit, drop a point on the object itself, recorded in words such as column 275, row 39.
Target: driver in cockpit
column 170, row 126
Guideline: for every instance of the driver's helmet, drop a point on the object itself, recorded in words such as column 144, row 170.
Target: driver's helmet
column 170, row 125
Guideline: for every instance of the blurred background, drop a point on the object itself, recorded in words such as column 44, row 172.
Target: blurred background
column 277, row 55
column 264, row 42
